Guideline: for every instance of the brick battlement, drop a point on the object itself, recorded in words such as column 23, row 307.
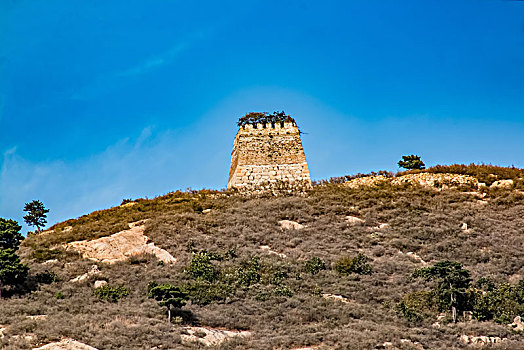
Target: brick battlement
column 268, row 155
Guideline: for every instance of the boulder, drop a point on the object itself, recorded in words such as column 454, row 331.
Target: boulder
column 209, row 336
column 502, row 184
column 353, row 220
column 290, row 225
column 66, row 344
column 517, row 324
column 100, row 283
column 93, row 271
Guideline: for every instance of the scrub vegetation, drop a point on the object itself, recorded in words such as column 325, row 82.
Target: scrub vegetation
column 446, row 251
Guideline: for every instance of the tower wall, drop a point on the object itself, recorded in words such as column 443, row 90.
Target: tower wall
column 268, row 155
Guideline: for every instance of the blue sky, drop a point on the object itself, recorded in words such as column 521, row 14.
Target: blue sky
column 104, row 100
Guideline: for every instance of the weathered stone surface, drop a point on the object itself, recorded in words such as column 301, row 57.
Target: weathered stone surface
column 268, row 157
column 120, row 246
column 480, row 340
column 210, row 336
column 517, row 324
column 290, row 225
column 100, row 283
column 353, row 220
column 337, row 298
column 66, row 344
column 93, row 271
column 433, row 180
column 272, row 252
column 502, row 184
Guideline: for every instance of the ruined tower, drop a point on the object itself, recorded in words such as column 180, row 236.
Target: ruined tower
column 268, row 154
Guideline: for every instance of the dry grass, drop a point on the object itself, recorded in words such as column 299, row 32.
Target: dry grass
column 424, row 221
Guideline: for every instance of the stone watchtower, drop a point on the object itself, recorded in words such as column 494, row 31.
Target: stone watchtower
column 268, row 154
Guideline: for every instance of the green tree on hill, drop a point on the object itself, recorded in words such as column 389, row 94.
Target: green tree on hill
column 167, row 295
column 411, row 162
column 452, row 284
column 36, row 214
column 12, row 271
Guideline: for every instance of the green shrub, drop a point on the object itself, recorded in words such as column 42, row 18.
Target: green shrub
column 283, row 291
column 109, row 293
column 249, row 273
column 357, row 264
column 44, row 254
column 46, row 277
column 59, row 295
column 203, row 293
column 315, row 265
column 409, row 313
column 201, row 267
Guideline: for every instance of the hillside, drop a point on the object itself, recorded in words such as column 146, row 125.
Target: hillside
column 249, row 267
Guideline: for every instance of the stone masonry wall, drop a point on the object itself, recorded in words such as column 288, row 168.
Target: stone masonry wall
column 266, row 155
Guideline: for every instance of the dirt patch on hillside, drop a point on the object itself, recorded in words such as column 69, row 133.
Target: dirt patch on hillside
column 120, row 247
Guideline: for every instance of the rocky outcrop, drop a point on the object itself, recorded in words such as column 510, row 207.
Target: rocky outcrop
column 353, row 220
column 337, row 298
column 66, row 344
column 120, row 247
column 209, row 336
column 268, row 249
column 92, row 272
column 290, row 225
column 502, row 184
column 433, row 180
column 517, row 324
column 480, row 340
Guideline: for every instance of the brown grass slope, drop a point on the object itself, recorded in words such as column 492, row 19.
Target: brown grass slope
column 424, row 221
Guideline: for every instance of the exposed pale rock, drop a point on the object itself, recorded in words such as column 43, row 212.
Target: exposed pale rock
column 270, row 251
column 464, row 227
column 206, row 211
column 50, row 262
column 379, row 227
column 433, row 180
column 480, row 340
column 66, row 344
column 290, row 225
column 37, row 317
column 412, row 344
column 337, row 298
column 416, row 257
column 93, row 271
column 100, row 283
column 120, row 246
column 517, row 324
column 210, row 336
column 353, row 220
column 128, row 204
column 2, row 330
column 502, row 184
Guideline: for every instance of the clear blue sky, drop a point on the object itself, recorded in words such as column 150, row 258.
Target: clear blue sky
column 104, row 100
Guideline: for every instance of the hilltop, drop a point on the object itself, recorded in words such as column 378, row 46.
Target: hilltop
column 329, row 269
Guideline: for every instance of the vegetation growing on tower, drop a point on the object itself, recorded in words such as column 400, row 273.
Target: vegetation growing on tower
column 265, row 118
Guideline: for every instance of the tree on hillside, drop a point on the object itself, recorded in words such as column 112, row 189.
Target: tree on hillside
column 12, row 272
column 36, row 214
column 167, row 295
column 452, row 283
column 10, row 236
column 411, row 162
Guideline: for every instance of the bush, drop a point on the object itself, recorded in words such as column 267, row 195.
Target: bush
column 203, row 293
column 109, row 293
column 249, row 273
column 44, row 254
column 315, row 265
column 357, row 264
column 283, row 291
column 46, row 277
column 201, row 267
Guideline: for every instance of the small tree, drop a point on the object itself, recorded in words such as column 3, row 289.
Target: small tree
column 357, row 264
column 452, row 283
column 411, row 162
column 36, row 214
column 315, row 265
column 12, row 271
column 167, row 295
column 10, row 236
